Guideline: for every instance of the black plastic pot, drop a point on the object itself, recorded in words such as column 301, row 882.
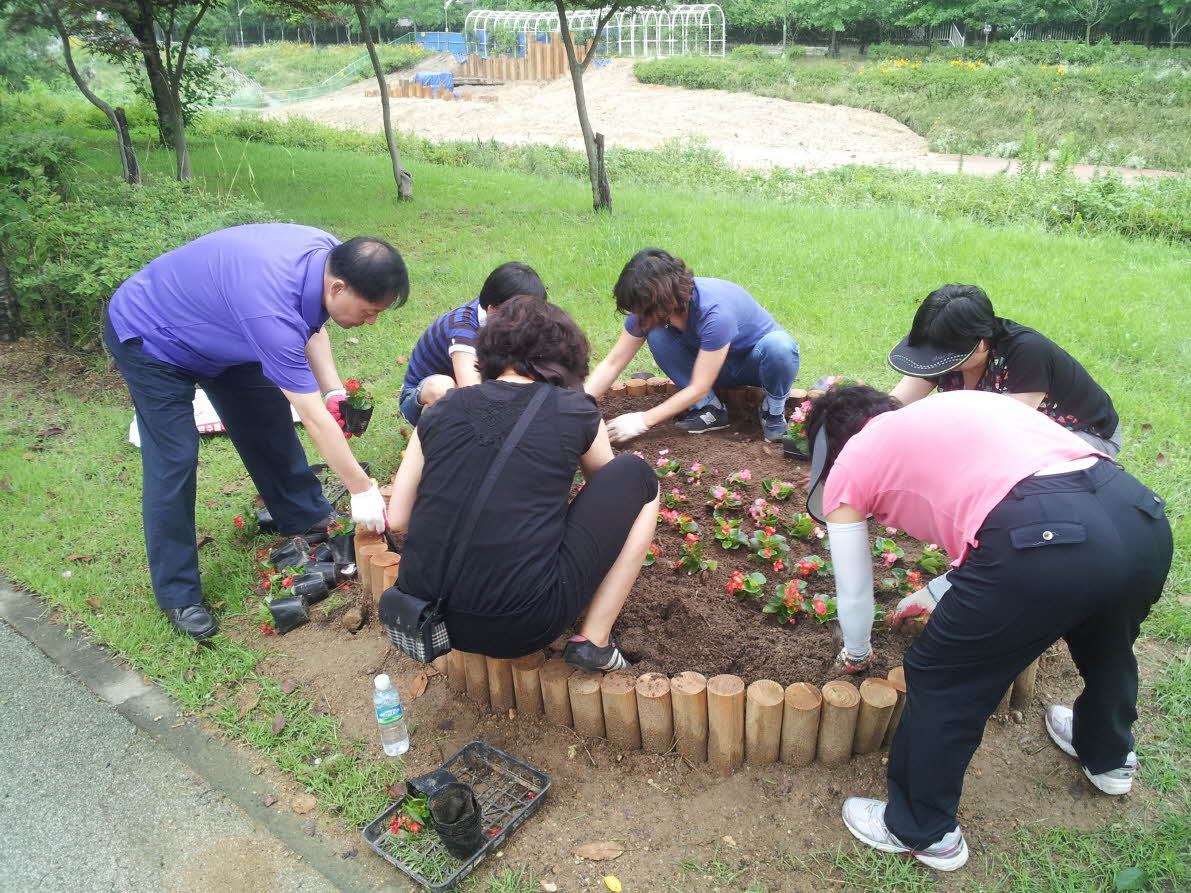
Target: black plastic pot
column 322, row 552
column 458, row 819
column 795, row 448
column 289, row 613
column 431, row 782
column 294, row 552
column 343, row 549
column 312, row 588
column 355, row 421
column 326, row 569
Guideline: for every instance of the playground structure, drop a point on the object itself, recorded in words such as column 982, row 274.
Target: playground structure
column 684, row 30
column 542, row 60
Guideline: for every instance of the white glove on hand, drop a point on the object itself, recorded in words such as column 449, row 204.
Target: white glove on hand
column 627, row 426
column 921, row 603
column 368, row 509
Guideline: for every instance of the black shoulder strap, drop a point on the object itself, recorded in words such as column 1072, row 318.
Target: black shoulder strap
column 481, row 497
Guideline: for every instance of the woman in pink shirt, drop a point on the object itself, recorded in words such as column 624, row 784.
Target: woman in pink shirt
column 1049, row 539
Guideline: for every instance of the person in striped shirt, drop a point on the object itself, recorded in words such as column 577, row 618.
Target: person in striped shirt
column 445, row 355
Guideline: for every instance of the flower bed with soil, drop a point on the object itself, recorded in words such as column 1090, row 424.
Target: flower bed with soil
column 709, row 621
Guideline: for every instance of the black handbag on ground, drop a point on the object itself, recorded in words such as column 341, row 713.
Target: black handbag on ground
column 416, row 625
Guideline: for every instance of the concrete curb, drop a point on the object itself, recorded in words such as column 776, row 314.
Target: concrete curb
column 217, row 762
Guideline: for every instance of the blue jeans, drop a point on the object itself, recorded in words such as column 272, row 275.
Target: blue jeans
column 411, row 407
column 771, row 364
column 258, row 421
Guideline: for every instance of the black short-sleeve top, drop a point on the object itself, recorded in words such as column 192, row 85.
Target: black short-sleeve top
column 1023, row 361
column 513, row 553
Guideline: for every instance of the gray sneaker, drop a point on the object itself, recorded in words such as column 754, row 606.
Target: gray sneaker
column 1060, row 723
column 700, row 421
column 865, row 818
column 773, row 427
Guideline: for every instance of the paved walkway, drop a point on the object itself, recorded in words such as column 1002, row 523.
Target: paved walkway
column 91, row 801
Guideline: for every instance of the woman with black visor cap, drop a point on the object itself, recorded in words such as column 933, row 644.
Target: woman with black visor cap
column 1049, row 539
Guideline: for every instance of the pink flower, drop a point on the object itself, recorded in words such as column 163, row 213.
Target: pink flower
column 718, row 492
column 779, row 565
column 769, row 531
column 932, row 547
column 691, row 538
column 662, row 452
column 889, row 558
column 820, row 606
column 744, row 475
column 735, row 495
column 798, row 415
column 819, row 532
column 891, row 530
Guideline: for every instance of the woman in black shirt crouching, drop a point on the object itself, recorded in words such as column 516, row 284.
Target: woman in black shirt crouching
column 957, row 343
column 535, row 562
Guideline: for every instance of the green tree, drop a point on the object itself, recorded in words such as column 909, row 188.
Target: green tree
column 1178, row 17
column 1091, row 13
column 836, row 15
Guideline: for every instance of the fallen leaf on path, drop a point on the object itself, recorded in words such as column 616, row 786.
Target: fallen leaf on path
column 599, row 850
column 353, row 340
column 403, row 360
column 212, row 503
column 303, row 803
column 270, row 800
column 418, row 687
column 288, row 686
column 6, row 483
column 93, row 602
column 278, row 724
column 217, row 606
column 117, row 457
column 248, row 699
column 188, row 676
column 612, row 882
column 80, row 557
column 1146, row 426
column 229, row 488
column 396, row 791
column 203, row 540
column 52, row 431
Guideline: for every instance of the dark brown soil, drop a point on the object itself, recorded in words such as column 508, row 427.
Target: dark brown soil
column 674, row 622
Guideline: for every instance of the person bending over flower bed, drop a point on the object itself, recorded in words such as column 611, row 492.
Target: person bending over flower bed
column 445, row 355
column 534, row 563
column 1049, row 539
column 957, row 343
column 703, row 333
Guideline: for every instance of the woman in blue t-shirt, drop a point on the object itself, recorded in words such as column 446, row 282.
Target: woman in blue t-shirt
column 703, row 333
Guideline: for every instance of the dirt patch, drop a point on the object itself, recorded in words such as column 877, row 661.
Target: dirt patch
column 751, row 131
column 32, row 366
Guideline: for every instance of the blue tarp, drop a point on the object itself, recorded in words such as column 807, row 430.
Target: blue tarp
column 443, row 41
column 439, row 80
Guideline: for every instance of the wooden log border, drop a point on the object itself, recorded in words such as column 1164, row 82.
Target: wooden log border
column 752, row 723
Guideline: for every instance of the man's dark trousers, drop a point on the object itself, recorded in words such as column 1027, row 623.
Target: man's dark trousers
column 258, row 420
column 1080, row 556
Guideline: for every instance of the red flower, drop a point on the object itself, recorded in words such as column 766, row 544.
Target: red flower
column 691, row 538
column 395, row 825
column 262, row 553
column 779, row 565
column 267, row 585
column 820, row 606
column 351, row 386
column 494, row 832
column 287, row 582
column 529, row 795
column 769, row 531
column 268, row 630
column 238, row 521
column 913, row 577
column 793, row 618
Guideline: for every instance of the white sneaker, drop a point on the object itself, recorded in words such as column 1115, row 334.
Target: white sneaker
column 865, row 818
column 1060, row 723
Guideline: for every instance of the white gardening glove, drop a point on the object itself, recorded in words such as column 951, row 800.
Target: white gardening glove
column 368, row 509
column 627, row 426
column 921, row 603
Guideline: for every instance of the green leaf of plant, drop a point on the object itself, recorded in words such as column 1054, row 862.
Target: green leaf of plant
column 1130, row 879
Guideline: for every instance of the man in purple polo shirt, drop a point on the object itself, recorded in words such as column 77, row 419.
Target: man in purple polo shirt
column 704, row 333
column 242, row 312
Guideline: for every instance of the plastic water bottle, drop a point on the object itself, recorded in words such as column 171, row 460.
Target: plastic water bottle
column 390, row 716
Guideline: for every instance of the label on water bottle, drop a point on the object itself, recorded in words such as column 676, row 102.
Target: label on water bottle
column 389, row 715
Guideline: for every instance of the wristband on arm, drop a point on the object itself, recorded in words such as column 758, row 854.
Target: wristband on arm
column 853, row 563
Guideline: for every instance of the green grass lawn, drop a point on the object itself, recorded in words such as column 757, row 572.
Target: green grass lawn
column 845, row 282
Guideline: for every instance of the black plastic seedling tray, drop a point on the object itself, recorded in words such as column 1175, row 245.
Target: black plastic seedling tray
column 509, row 791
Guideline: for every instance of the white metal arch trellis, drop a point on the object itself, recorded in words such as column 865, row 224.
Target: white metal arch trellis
column 683, row 30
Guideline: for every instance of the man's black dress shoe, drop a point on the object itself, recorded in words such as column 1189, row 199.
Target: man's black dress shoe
column 194, row 620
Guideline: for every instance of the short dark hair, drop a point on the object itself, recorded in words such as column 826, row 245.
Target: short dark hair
column 654, row 285
column 372, row 268
column 844, row 410
column 535, row 339
column 508, row 280
column 955, row 317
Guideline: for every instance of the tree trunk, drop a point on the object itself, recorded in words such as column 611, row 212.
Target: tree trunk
column 144, row 30
column 835, row 43
column 128, row 161
column 1087, row 34
column 600, row 199
column 10, row 310
column 403, row 178
column 604, row 199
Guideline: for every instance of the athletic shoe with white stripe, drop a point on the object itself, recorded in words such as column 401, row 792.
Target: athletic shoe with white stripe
column 700, row 421
column 865, row 818
column 587, row 655
column 1060, row 724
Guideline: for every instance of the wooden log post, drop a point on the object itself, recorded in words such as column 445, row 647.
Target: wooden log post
column 763, row 722
column 527, row 683
column 1023, row 686
column 878, row 697
column 671, row 387
column 442, row 665
column 365, row 537
column 618, row 691
column 456, row 671
column 619, row 388
column 476, row 668
column 384, row 566
column 657, row 385
column 500, row 685
column 364, row 555
column 655, row 713
column 837, row 723
column 556, row 695
column 725, row 723
column 897, row 678
column 637, row 387
column 1003, row 704
column 586, row 705
column 688, row 692
column 800, row 724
